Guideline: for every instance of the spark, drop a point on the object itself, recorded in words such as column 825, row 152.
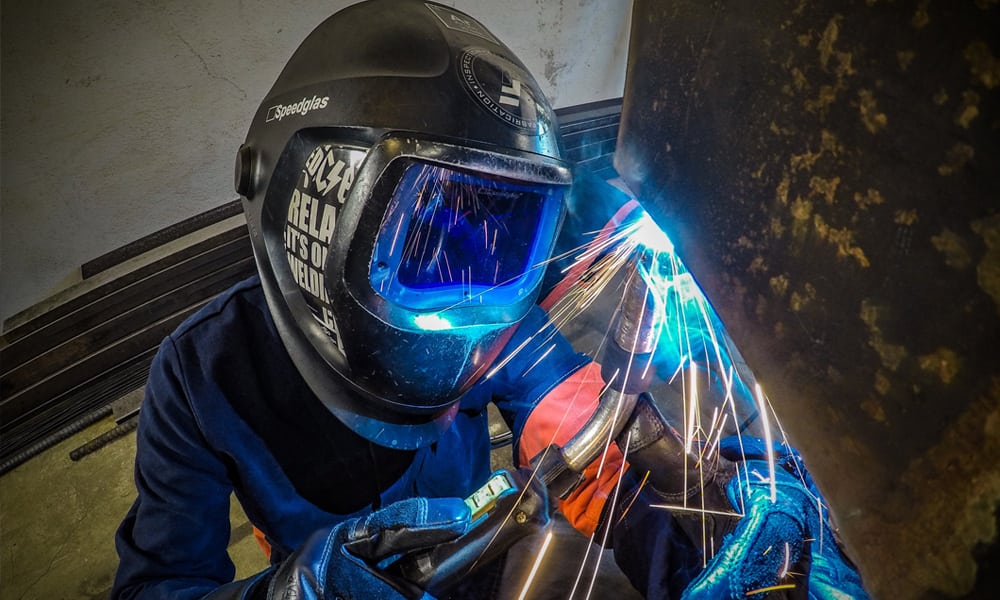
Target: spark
column 784, row 567
column 689, row 336
column 768, row 442
column 614, row 502
column 534, row 567
column 693, row 509
column 540, row 359
column 692, row 408
column 772, row 588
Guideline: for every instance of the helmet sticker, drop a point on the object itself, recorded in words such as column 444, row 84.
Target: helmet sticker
column 457, row 21
column 500, row 86
column 323, row 187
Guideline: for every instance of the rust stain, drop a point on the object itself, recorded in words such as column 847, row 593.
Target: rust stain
column 779, row 284
column 984, row 66
column 781, row 192
column 828, row 39
column 882, row 383
column 956, row 158
column 799, row 300
column 956, row 253
column 842, row 238
column 828, row 145
column 775, row 129
column 943, row 363
column 869, row 198
column 941, row 97
column 905, row 59
column 758, row 265
column 891, row 355
column 804, row 161
column 826, row 97
column 905, row 217
column 920, row 17
column 873, row 119
column 988, row 269
column 801, row 209
column 968, row 110
column 985, row 4
column 777, row 228
column 824, row 188
column 874, row 409
column 844, row 66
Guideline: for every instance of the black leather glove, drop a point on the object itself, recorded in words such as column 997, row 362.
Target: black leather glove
column 345, row 561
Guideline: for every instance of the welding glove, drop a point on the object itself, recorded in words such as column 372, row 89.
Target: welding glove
column 784, row 544
column 345, row 561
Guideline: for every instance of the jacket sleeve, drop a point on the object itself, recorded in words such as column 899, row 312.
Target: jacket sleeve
column 548, row 392
column 172, row 543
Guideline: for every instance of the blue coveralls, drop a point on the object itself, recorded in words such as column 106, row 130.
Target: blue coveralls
column 226, row 411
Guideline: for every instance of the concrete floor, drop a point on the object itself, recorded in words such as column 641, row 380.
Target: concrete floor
column 58, row 518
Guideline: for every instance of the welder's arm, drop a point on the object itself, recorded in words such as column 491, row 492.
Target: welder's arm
column 611, row 502
column 555, row 420
column 749, row 535
column 546, row 391
column 173, row 542
column 344, row 562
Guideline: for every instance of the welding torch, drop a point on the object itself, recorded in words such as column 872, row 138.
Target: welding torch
column 626, row 413
column 513, row 505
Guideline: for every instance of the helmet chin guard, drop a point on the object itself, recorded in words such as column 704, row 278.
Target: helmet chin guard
column 403, row 189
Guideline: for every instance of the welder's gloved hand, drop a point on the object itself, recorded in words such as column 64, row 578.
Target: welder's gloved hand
column 344, row 562
column 784, row 547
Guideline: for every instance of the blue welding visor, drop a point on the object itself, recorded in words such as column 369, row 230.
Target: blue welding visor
column 453, row 239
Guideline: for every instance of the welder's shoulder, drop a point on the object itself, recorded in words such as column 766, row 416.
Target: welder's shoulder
column 233, row 313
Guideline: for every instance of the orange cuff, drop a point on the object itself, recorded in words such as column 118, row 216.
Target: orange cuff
column 555, row 420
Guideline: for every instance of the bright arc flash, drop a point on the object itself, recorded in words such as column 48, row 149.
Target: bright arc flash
column 534, row 567
column 650, row 235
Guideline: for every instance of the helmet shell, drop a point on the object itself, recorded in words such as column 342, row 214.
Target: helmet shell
column 378, row 86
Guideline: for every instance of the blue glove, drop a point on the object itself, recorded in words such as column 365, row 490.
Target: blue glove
column 345, row 561
column 777, row 544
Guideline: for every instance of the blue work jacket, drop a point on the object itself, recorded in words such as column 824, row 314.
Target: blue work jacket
column 226, row 412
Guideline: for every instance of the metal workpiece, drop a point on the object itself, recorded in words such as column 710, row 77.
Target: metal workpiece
column 827, row 173
column 638, row 320
column 608, row 420
column 635, row 336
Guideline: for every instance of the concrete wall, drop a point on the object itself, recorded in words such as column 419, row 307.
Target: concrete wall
column 121, row 117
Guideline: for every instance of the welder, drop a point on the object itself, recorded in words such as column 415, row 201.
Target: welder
column 403, row 188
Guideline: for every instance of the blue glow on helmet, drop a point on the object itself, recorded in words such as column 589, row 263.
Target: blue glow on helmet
column 432, row 322
column 451, row 238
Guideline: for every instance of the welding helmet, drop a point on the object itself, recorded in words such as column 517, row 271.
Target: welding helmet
column 403, row 188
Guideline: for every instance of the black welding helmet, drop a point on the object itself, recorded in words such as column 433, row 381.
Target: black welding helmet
column 403, row 188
